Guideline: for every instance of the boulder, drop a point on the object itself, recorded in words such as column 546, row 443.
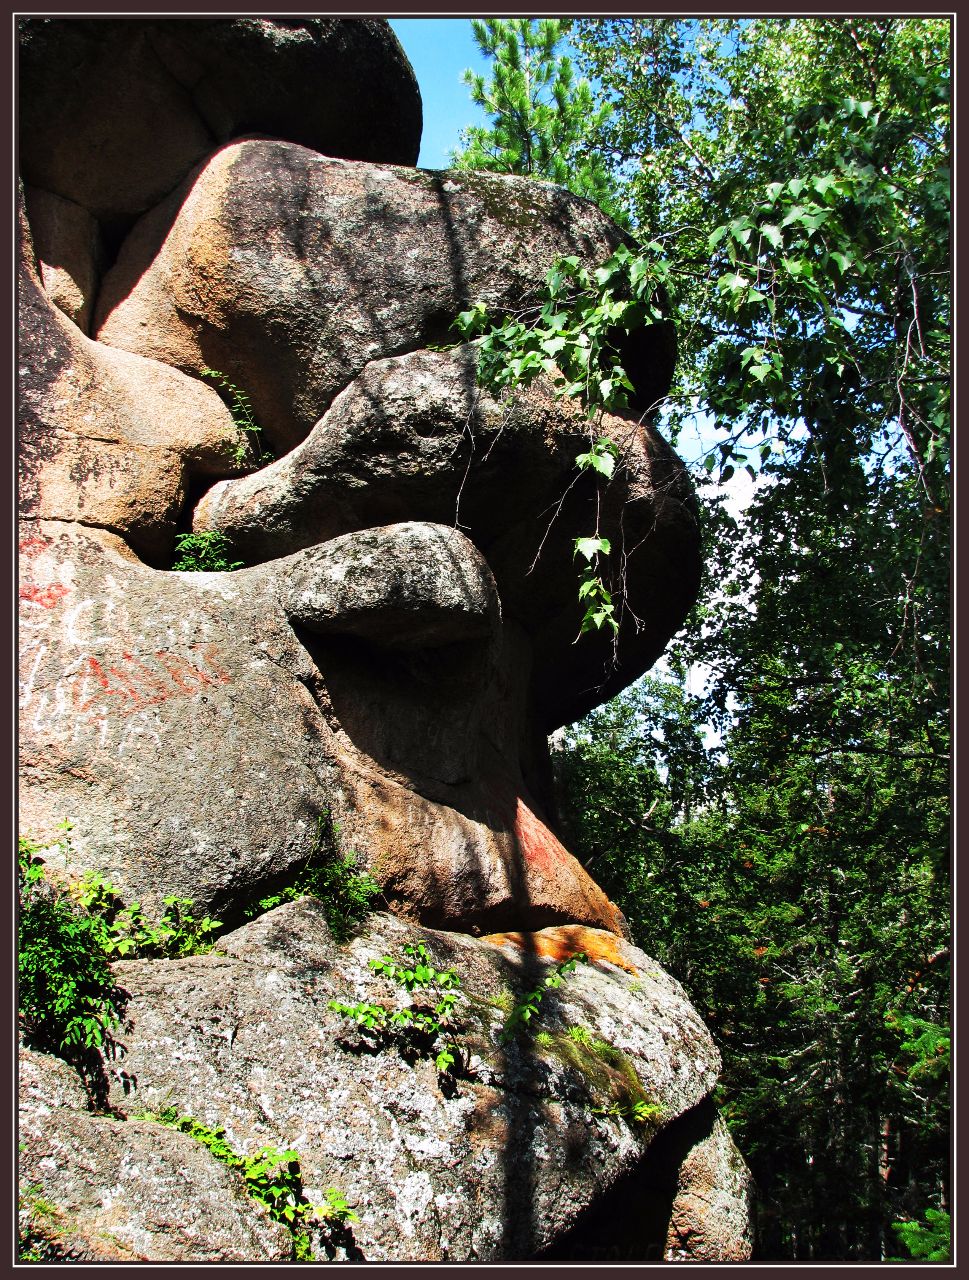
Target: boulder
column 115, row 111
column 195, row 727
column 67, row 242
column 493, row 1160
column 710, row 1219
column 94, row 1188
column 290, row 272
column 415, row 437
column 107, row 438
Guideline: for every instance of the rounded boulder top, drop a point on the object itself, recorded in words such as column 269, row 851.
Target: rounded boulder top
column 114, row 112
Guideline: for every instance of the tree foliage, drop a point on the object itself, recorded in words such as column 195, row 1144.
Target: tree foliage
column 796, row 173
column 541, row 117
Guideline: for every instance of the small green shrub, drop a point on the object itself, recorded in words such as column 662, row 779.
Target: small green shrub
column 272, row 1177
column 126, row 931
column 240, row 406
column 581, row 1035
column 527, row 1006
column 336, row 1208
column 433, row 1024
column 345, row 893
column 205, row 552
column 67, row 997
column 38, row 1224
column 639, row 1112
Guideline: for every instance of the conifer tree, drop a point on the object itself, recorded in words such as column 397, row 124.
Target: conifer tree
column 541, row 116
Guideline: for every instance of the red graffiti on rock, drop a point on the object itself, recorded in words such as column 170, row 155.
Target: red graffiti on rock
column 131, row 683
column 46, row 597
column 32, row 592
column 540, row 847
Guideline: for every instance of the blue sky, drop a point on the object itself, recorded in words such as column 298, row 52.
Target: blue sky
column 439, row 49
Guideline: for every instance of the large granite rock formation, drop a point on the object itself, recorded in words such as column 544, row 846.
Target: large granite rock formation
column 401, row 638
column 503, row 1159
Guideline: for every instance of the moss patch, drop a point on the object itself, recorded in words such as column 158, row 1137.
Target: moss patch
column 611, row 1076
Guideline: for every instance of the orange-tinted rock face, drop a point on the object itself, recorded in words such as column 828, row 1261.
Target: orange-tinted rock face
column 562, row 942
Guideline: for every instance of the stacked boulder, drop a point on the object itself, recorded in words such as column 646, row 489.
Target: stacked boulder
column 391, row 656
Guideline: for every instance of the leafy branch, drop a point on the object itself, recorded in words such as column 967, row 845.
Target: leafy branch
column 574, row 334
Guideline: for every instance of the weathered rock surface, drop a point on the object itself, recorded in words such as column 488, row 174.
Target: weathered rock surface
column 67, row 241
column 493, row 1164
column 115, row 112
column 107, row 438
column 414, row 437
column 290, row 271
column 194, row 738
column 710, row 1221
column 98, row 1189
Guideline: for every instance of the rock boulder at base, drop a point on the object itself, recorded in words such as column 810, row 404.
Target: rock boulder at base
column 95, row 1188
column 494, row 1160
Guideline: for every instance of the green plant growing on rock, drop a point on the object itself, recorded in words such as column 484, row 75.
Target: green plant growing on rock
column 38, row 1226
column 639, row 1112
column 607, row 1070
column 68, row 999
column 271, row 1177
column 433, row 1025
column 345, row 893
column 240, row 406
column 527, row 1006
column 336, row 1208
column 573, row 332
column 581, row 1035
column 205, row 552
column 125, row 931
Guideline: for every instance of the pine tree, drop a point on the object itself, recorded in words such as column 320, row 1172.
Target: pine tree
column 542, row 117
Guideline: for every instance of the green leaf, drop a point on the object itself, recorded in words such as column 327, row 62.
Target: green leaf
column 772, row 235
column 796, row 214
column 589, row 548
column 733, row 283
